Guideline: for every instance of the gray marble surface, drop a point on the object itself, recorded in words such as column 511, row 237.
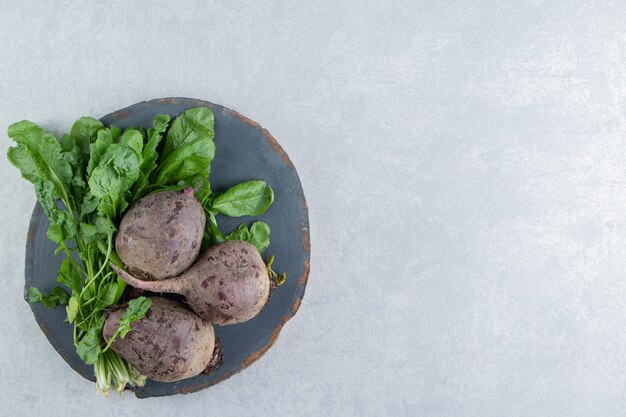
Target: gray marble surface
column 464, row 164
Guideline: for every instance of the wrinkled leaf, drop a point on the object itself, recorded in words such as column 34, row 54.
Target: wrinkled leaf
column 188, row 150
column 191, row 125
column 150, row 154
column 98, row 149
column 21, row 159
column 39, row 158
column 117, row 171
column 84, row 131
column 44, row 153
column 160, row 122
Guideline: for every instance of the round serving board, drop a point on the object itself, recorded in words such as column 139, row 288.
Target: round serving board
column 244, row 151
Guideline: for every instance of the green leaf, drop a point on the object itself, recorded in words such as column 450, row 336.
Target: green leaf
column 47, row 197
column 142, row 131
column 150, row 154
column 99, row 233
column 133, row 139
column 21, row 159
column 250, row 198
column 84, row 131
column 72, row 309
column 90, row 203
column 68, row 223
column 106, row 296
column 67, row 142
column 213, row 233
column 44, row 151
column 121, row 286
column 74, row 156
column 105, row 226
column 202, row 191
column 188, row 165
column 64, row 229
column 55, row 233
column 140, row 187
column 116, row 132
column 34, row 295
column 240, row 233
column 258, row 235
column 98, row 149
column 113, row 169
column 39, row 158
column 136, row 310
column 69, row 276
column 102, row 246
column 192, row 124
column 73, row 152
column 160, row 122
column 89, row 233
column 76, row 152
column 88, row 348
column 57, row 296
column 188, row 149
column 117, row 171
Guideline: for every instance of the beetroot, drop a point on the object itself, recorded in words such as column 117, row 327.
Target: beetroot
column 228, row 284
column 160, row 235
column 169, row 344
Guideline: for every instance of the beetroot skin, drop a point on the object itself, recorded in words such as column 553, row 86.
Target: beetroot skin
column 160, row 235
column 169, row 344
column 228, row 284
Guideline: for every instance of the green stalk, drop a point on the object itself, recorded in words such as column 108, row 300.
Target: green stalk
column 108, row 345
column 107, row 257
column 113, row 371
column 103, row 376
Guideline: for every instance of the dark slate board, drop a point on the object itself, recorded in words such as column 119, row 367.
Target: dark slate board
column 244, row 151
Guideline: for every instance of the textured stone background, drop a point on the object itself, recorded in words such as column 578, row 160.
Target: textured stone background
column 464, row 167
